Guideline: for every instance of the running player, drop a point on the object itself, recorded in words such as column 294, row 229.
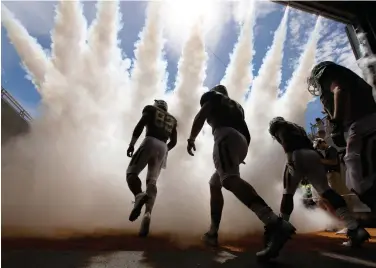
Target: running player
column 304, row 161
column 231, row 141
column 349, row 103
column 160, row 127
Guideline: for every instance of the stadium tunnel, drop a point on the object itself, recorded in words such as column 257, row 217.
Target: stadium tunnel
column 360, row 25
column 356, row 15
column 359, row 18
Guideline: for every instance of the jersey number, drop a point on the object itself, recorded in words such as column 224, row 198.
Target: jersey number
column 233, row 106
column 165, row 121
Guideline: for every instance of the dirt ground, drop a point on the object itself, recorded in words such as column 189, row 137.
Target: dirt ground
column 311, row 250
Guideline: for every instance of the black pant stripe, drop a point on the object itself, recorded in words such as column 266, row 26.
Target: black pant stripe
column 228, row 156
column 222, row 153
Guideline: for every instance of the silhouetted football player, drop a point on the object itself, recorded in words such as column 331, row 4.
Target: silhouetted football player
column 303, row 161
column 231, row 141
column 349, row 103
column 160, row 127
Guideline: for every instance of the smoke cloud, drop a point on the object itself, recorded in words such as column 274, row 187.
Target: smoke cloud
column 265, row 86
column 67, row 175
column 31, row 53
column 238, row 75
column 149, row 72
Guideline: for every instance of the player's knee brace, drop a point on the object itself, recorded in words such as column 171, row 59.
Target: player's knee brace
column 287, row 204
column 334, row 199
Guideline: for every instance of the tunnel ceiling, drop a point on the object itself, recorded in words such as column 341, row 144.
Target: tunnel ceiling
column 343, row 11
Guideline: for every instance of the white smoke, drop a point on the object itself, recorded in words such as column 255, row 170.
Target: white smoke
column 185, row 100
column 238, row 75
column 31, row 53
column 68, row 44
column 367, row 62
column 190, row 78
column 149, row 72
column 294, row 101
column 265, row 87
column 68, row 173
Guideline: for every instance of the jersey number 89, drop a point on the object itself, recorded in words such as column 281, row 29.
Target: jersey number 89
column 165, row 121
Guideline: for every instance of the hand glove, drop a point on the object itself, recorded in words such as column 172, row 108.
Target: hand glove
column 191, row 145
column 130, row 150
column 337, row 134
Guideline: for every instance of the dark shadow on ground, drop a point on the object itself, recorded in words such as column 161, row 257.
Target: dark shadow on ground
column 304, row 251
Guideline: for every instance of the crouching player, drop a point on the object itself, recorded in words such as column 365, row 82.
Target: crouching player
column 304, row 161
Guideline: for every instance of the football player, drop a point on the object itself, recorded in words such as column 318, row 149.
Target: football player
column 303, row 161
column 231, row 141
column 160, row 127
column 349, row 103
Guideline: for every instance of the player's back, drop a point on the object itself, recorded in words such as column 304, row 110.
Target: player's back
column 160, row 123
column 225, row 112
column 295, row 138
column 359, row 94
column 360, row 99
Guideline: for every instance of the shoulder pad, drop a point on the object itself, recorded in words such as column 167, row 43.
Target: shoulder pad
column 207, row 96
column 297, row 128
column 148, row 109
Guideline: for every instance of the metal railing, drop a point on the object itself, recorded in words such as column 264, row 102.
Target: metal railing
column 15, row 105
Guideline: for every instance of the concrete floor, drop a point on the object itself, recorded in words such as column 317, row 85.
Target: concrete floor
column 317, row 250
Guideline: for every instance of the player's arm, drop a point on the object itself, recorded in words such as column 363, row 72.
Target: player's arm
column 339, row 101
column 173, row 139
column 138, row 129
column 200, row 119
column 282, row 136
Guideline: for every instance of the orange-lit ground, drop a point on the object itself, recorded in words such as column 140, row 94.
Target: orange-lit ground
column 313, row 250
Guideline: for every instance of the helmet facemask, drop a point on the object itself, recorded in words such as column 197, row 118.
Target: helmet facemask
column 314, row 86
column 314, row 82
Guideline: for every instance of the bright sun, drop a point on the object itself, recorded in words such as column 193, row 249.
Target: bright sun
column 181, row 15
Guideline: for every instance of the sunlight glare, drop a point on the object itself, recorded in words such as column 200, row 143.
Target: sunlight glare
column 181, row 15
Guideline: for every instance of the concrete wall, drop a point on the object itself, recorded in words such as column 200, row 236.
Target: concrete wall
column 12, row 124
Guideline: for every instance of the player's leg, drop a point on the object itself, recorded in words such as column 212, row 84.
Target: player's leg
column 360, row 160
column 136, row 165
column 338, row 184
column 216, row 208
column 317, row 176
column 155, row 164
column 230, row 149
column 292, row 176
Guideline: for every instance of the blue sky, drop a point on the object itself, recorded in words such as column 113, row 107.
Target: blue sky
column 38, row 17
